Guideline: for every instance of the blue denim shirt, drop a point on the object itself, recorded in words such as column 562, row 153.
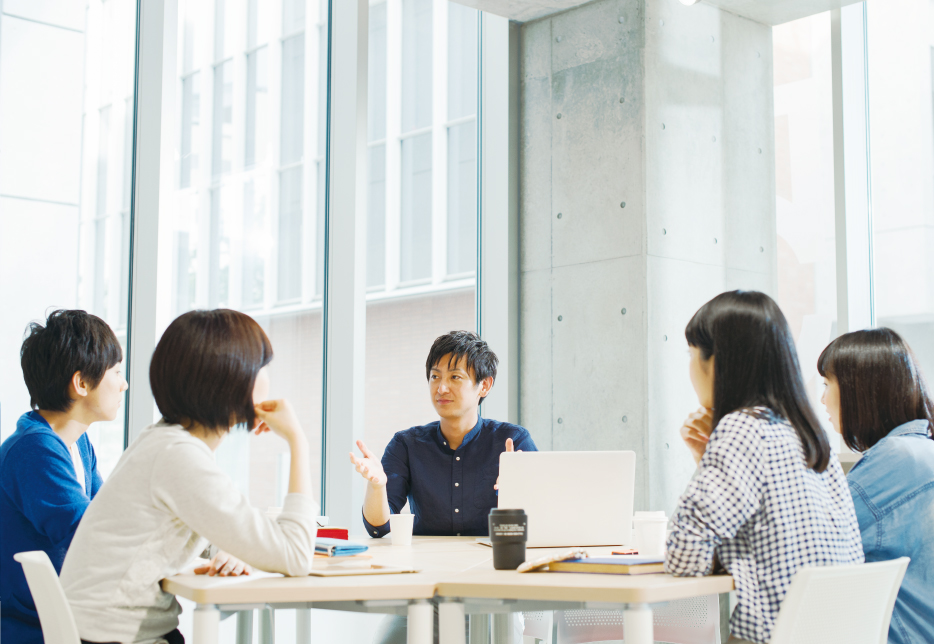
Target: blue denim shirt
column 450, row 492
column 893, row 491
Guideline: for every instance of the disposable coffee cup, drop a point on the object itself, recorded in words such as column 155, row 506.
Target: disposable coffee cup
column 400, row 529
column 509, row 530
column 649, row 530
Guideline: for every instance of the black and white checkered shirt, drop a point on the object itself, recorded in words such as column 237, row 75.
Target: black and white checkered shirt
column 756, row 506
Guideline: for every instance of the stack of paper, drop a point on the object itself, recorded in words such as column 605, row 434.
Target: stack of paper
column 338, row 547
column 619, row 565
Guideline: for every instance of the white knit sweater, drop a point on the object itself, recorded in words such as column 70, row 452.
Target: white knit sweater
column 165, row 500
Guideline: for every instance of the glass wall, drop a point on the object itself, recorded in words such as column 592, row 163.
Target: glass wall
column 66, row 90
column 900, row 43
column 422, row 200
column 242, row 225
column 804, row 187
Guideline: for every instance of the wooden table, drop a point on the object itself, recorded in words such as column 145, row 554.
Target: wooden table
column 456, row 573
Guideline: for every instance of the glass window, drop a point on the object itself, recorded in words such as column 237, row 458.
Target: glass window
column 255, row 244
column 901, row 129
column 376, row 217
column 462, row 198
column 463, row 43
column 290, row 234
column 66, row 157
column 416, row 64
column 416, row 248
column 239, row 236
column 804, row 186
column 190, row 130
column 293, row 99
column 257, row 109
column 223, row 118
column 420, row 288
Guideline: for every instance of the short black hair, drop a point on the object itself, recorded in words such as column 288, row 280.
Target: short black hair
column 204, row 369
column 756, row 365
column 881, row 385
column 459, row 344
column 70, row 341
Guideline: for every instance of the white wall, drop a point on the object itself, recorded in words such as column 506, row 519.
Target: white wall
column 41, row 89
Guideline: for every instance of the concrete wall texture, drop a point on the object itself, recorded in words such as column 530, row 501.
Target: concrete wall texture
column 647, row 187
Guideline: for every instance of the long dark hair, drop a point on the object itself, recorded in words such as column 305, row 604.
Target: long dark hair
column 756, row 365
column 881, row 385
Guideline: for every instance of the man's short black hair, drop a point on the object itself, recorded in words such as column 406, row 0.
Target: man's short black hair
column 204, row 369
column 70, row 341
column 459, row 344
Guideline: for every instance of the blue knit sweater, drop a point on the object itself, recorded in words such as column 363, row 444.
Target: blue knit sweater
column 41, row 503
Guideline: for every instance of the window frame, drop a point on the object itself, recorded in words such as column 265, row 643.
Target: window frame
column 345, row 293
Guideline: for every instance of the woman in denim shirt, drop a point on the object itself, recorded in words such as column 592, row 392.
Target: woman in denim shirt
column 877, row 399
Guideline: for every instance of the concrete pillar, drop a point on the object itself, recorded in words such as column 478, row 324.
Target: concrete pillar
column 647, row 187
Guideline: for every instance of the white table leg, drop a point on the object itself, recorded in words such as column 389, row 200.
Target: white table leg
column 207, row 621
column 267, row 626
column 637, row 624
column 421, row 625
column 479, row 629
column 245, row 627
column 507, row 628
column 303, row 626
column 451, row 623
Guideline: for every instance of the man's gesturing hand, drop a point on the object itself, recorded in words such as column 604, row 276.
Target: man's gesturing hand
column 369, row 466
column 509, row 448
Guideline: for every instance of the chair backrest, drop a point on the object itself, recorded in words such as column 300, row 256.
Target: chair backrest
column 840, row 604
column 686, row 621
column 58, row 623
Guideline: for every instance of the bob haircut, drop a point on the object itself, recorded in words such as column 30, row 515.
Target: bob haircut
column 204, row 368
column 756, row 365
column 70, row 341
column 458, row 344
column 881, row 385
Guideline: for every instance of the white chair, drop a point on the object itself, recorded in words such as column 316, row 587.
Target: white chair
column 840, row 604
column 58, row 624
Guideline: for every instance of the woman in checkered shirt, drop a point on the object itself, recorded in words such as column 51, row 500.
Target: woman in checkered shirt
column 769, row 495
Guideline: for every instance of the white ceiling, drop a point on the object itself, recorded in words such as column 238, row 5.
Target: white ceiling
column 770, row 12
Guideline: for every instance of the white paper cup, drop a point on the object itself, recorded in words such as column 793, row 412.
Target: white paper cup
column 648, row 533
column 400, row 529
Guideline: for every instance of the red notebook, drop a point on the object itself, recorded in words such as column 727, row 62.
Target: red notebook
column 332, row 532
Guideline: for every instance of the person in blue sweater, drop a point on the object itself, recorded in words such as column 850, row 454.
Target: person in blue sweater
column 48, row 469
column 877, row 399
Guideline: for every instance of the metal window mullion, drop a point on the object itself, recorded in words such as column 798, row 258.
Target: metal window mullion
column 345, row 258
column 439, row 141
column 393, row 184
column 497, row 270
column 150, row 102
column 236, row 219
column 852, row 196
column 309, row 151
column 271, row 263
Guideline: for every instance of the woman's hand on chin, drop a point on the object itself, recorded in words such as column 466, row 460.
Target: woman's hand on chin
column 696, row 432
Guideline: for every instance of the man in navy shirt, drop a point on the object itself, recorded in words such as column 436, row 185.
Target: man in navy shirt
column 48, row 469
column 447, row 469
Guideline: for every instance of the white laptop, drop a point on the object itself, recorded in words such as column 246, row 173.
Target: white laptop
column 571, row 498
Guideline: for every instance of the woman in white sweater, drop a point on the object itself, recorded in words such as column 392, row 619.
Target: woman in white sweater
column 166, row 500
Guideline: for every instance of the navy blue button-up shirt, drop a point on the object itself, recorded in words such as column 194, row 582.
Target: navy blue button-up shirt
column 450, row 492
